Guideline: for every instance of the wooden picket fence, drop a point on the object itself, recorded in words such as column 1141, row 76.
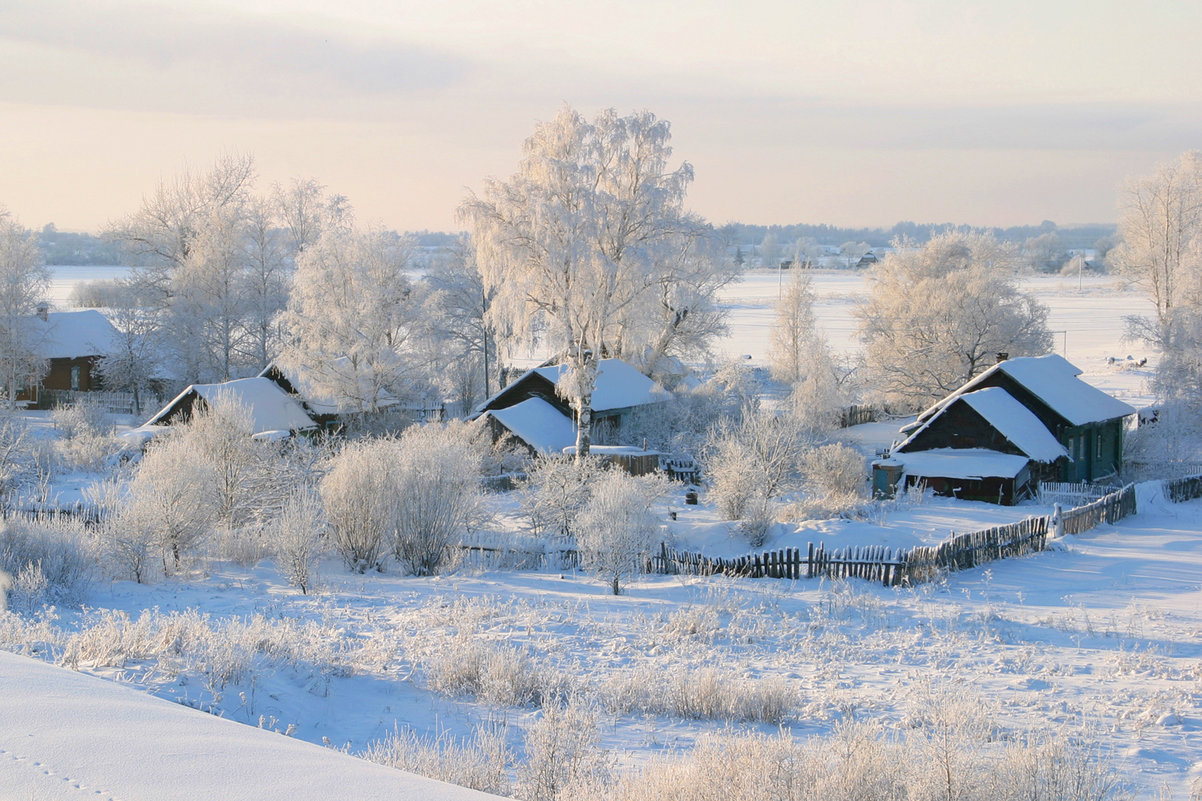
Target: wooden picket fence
column 1107, row 509
column 915, row 565
column 1066, row 494
column 1183, row 489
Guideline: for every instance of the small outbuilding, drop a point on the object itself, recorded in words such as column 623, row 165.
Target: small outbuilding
column 72, row 345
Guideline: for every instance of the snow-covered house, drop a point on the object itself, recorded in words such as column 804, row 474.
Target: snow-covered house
column 273, row 412
column 71, row 343
column 533, row 413
column 1022, row 421
column 331, row 413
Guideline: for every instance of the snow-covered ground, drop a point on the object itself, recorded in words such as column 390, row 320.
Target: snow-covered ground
column 1099, row 639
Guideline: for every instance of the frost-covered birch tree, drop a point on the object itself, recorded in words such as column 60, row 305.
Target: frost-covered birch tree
column 23, row 282
column 570, row 243
column 939, row 314
column 1161, row 228
column 353, row 322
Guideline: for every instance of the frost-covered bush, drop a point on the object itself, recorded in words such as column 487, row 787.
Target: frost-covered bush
column 170, row 502
column 480, row 761
column 617, row 529
column 758, row 456
column 414, row 496
column 700, row 694
column 555, row 490
column 18, row 462
column 438, row 485
column 835, row 482
column 563, row 754
column 298, row 538
column 48, row 561
column 86, row 436
column 360, row 500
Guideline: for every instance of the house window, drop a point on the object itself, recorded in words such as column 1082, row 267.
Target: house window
column 75, row 377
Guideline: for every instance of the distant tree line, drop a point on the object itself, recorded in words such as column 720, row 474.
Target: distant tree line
column 1073, row 237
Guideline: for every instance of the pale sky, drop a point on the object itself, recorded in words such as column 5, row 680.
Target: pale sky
column 986, row 112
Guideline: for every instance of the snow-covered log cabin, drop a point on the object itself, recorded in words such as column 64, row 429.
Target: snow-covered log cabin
column 1022, row 421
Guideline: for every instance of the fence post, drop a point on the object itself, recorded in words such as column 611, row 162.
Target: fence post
column 1057, row 522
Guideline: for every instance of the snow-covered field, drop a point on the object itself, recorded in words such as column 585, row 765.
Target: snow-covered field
column 1098, row 640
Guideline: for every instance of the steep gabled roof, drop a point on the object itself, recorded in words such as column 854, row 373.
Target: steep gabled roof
column 1009, row 417
column 271, row 409
column 538, row 424
column 1053, row 380
column 73, row 335
column 619, row 386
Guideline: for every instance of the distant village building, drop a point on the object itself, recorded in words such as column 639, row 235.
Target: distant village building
column 531, row 412
column 273, row 412
column 1022, row 421
column 72, row 345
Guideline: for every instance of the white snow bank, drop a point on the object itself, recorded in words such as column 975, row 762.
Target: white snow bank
column 67, row 735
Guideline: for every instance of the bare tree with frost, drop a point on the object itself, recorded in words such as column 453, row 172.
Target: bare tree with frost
column 572, row 241
column 23, row 283
column 939, row 314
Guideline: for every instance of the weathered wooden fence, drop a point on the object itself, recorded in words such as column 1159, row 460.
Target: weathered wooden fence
column 1107, row 509
column 858, row 415
column 915, row 565
column 1067, row 494
column 1180, row 490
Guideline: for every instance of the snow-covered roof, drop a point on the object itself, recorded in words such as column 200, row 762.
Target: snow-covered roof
column 322, row 403
column 1052, row 379
column 70, row 335
column 1012, row 420
column 271, row 409
column 539, row 424
column 619, row 385
column 965, row 463
column 70, row 735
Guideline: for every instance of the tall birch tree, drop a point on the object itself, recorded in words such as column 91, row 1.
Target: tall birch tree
column 570, row 242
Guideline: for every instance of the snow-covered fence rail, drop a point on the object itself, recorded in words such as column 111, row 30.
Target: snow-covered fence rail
column 1107, row 509
column 1180, row 490
column 973, row 548
column 1067, row 494
column 915, row 565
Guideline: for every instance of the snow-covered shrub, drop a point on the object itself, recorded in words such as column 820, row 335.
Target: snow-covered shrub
column 1170, row 447
column 49, row 561
column 298, row 538
column 556, row 489
column 756, row 457
column 563, row 754
column 170, row 501
column 437, row 476
column 700, row 694
column 758, row 516
column 18, row 463
column 360, row 500
column 491, row 672
column 413, row 495
column 835, row 482
column 480, row 761
column 617, row 529
column 86, row 436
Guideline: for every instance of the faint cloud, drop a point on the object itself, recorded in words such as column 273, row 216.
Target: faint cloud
column 164, row 57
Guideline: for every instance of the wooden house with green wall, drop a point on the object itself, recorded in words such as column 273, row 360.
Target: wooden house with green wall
column 1022, row 421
